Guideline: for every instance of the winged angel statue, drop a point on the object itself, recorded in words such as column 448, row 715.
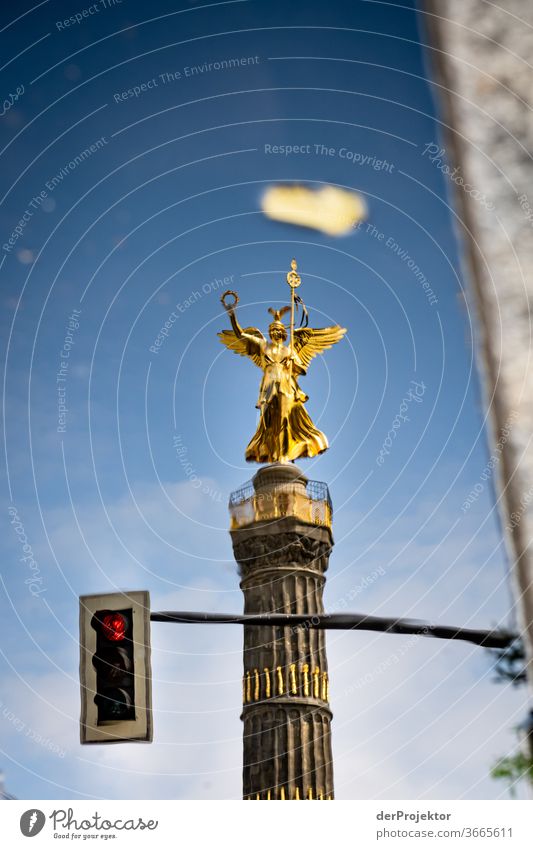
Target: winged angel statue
column 285, row 431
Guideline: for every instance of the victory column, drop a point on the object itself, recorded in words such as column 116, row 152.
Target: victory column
column 282, row 539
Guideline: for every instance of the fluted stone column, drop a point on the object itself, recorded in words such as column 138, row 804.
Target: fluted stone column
column 282, row 547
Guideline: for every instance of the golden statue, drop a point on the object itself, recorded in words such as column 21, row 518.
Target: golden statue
column 285, row 431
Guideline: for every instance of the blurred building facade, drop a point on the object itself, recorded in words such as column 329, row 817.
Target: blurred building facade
column 480, row 58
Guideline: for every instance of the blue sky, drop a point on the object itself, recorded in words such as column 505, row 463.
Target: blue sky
column 162, row 209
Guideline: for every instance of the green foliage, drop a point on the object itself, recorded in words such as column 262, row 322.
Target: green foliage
column 510, row 663
column 513, row 768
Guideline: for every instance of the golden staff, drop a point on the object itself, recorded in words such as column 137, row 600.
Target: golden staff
column 294, row 280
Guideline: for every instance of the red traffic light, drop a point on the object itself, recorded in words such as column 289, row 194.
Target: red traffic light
column 115, row 674
column 114, row 627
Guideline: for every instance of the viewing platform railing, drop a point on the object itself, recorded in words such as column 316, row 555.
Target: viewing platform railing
column 309, row 502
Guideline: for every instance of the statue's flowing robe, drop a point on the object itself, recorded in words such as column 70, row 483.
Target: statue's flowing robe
column 285, row 430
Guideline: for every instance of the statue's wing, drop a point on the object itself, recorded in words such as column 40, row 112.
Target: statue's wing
column 310, row 341
column 245, row 346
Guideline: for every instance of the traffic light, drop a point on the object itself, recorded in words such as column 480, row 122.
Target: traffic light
column 115, row 674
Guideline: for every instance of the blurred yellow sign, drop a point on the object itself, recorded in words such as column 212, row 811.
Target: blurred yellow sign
column 329, row 209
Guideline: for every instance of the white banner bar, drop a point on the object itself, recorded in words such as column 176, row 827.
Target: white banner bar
column 357, row 824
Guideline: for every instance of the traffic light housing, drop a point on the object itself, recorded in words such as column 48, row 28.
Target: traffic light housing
column 115, row 673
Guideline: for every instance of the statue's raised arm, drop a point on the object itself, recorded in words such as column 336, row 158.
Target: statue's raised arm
column 249, row 342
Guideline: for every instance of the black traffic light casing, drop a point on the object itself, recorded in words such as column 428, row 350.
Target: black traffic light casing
column 114, row 662
column 115, row 674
